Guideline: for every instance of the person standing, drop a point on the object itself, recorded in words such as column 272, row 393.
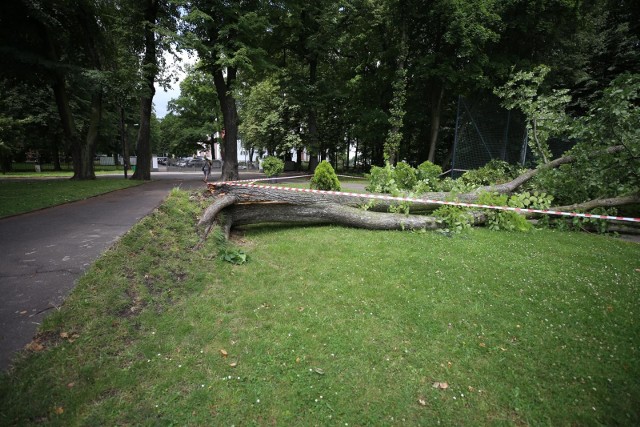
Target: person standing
column 206, row 168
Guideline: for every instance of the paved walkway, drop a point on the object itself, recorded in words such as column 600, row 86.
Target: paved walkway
column 44, row 252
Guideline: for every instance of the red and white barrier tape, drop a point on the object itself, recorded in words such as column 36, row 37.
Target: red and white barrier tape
column 426, row 201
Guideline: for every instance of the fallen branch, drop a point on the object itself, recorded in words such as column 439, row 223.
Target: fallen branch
column 236, row 204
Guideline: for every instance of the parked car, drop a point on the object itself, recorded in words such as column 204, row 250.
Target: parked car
column 196, row 162
column 183, row 162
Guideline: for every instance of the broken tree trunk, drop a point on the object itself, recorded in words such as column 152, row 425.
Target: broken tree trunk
column 238, row 204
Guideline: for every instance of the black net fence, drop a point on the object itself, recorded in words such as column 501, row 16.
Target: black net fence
column 486, row 131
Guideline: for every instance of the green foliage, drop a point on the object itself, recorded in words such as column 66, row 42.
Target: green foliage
column 272, row 166
column 368, row 205
column 405, row 176
column 600, row 226
column 397, row 110
column 502, row 220
column 613, row 120
column 382, row 179
column 428, row 170
column 545, row 113
column 529, row 200
column 268, row 118
column 494, row 172
column 233, row 255
column 191, row 118
column 428, row 179
column 325, row 178
column 401, row 208
column 455, row 218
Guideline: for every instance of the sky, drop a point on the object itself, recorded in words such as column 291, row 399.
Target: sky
column 162, row 97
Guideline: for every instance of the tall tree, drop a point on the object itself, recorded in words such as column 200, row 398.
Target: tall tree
column 149, row 68
column 226, row 36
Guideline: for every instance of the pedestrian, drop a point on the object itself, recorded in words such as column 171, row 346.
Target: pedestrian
column 206, row 168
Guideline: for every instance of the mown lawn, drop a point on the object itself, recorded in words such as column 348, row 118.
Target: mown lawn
column 26, row 195
column 336, row 326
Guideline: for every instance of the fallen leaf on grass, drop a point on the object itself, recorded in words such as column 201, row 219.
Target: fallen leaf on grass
column 422, row 401
column 34, row 346
column 59, row 410
column 64, row 335
column 440, row 386
column 71, row 385
column 223, row 352
column 233, row 364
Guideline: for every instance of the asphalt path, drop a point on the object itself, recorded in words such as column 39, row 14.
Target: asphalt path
column 45, row 252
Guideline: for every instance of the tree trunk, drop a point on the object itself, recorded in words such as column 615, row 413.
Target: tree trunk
column 150, row 70
column 61, row 96
column 230, row 120
column 314, row 140
column 55, row 154
column 83, row 154
column 299, row 159
column 241, row 204
column 237, row 215
column 124, row 145
column 436, row 108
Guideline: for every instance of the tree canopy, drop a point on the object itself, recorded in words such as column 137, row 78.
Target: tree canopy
column 358, row 82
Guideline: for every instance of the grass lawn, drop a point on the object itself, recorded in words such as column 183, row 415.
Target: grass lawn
column 336, row 326
column 20, row 196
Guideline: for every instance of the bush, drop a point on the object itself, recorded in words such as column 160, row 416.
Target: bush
column 272, row 166
column 325, row 178
column 429, row 171
column 382, row 180
column 405, row 176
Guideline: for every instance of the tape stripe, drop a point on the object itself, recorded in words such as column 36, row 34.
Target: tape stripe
column 426, row 201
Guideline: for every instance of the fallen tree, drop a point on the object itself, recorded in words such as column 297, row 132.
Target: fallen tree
column 236, row 204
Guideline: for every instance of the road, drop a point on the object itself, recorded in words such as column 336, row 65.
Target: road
column 45, row 252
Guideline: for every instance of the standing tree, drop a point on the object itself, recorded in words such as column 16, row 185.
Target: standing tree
column 149, row 70
column 226, row 36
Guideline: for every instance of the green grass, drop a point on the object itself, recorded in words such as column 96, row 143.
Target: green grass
column 47, row 170
column 20, row 196
column 335, row 326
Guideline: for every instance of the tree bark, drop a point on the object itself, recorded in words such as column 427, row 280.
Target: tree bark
column 83, row 154
column 241, row 214
column 150, row 70
column 124, row 144
column 230, row 119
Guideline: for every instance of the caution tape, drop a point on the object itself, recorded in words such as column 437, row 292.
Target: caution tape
column 245, row 183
